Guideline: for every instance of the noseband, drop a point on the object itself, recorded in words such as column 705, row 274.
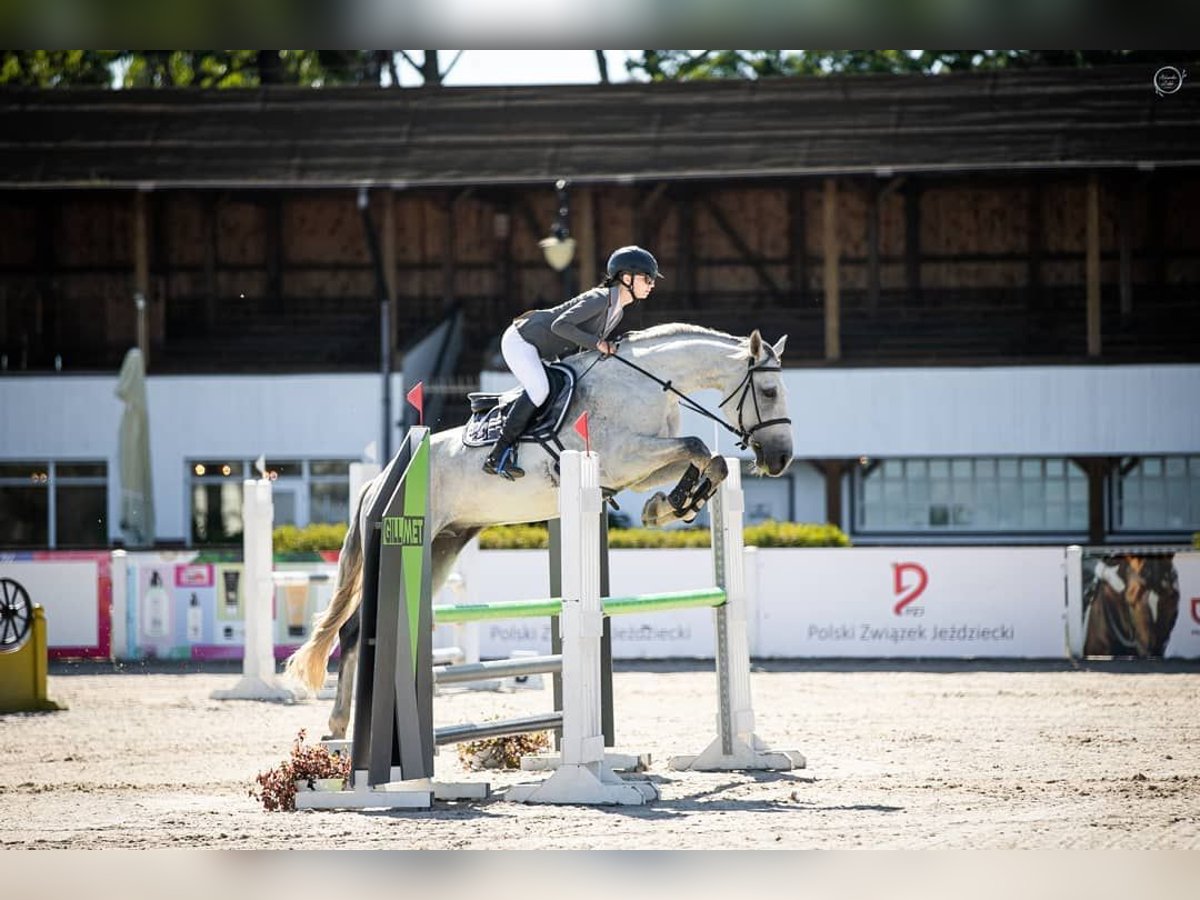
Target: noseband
column 750, row 391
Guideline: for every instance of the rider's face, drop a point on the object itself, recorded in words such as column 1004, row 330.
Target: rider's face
column 646, row 282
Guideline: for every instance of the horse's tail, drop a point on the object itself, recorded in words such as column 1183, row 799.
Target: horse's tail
column 307, row 665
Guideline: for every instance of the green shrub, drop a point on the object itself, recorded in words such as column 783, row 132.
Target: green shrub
column 1196, row 540
column 766, row 534
column 310, row 539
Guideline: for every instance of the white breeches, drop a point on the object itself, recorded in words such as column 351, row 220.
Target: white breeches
column 525, row 362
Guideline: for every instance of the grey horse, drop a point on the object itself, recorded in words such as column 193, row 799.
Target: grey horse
column 634, row 425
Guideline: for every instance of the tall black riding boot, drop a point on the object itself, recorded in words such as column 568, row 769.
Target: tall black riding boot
column 500, row 460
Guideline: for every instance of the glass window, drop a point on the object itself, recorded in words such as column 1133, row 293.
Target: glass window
column 329, row 502
column 320, row 467
column 45, row 503
column 968, row 495
column 80, row 516
column 289, row 468
column 24, row 516
column 307, row 492
column 1157, row 494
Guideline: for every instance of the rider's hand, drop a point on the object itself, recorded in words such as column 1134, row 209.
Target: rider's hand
column 608, row 348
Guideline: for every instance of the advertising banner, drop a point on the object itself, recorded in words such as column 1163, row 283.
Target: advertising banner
column 1140, row 603
column 193, row 609
column 1185, row 635
column 900, row 602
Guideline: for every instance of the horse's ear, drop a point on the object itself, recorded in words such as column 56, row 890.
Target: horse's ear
column 779, row 345
column 755, row 345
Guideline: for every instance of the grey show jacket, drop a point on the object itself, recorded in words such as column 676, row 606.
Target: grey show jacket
column 578, row 323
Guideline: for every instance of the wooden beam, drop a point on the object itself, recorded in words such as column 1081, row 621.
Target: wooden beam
column 685, row 260
column 797, row 244
column 912, row 238
column 1098, row 469
column 141, row 274
column 833, row 313
column 647, row 216
column 873, row 246
column 1034, row 245
column 1125, row 250
column 585, row 236
column 1093, row 265
column 832, row 472
column 209, row 227
column 751, row 258
column 273, row 210
column 387, row 253
column 448, row 279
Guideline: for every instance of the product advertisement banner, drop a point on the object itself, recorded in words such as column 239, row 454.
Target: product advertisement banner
column 912, row 602
column 1142, row 604
column 192, row 609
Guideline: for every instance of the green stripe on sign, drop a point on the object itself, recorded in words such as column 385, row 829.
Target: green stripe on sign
column 416, row 507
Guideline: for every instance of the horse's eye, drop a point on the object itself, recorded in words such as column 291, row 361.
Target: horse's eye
column 769, row 393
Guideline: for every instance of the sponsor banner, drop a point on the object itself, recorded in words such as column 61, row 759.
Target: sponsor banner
column 911, row 602
column 1140, row 603
column 183, row 609
column 1185, row 635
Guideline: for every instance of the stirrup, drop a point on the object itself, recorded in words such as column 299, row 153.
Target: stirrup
column 511, row 472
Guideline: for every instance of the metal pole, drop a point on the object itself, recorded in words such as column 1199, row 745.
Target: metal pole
column 385, row 343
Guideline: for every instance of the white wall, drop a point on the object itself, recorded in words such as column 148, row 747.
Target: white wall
column 835, row 413
column 283, row 416
column 1036, row 410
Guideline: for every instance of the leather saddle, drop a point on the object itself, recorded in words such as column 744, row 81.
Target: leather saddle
column 488, row 411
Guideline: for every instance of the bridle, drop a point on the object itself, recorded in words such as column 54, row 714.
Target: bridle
column 748, row 391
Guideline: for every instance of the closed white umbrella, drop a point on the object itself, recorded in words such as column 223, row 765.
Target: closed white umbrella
column 137, row 491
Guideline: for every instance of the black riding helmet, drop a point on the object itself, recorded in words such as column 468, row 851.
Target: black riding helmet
column 635, row 260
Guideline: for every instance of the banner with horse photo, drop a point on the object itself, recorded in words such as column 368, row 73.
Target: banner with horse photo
column 1141, row 604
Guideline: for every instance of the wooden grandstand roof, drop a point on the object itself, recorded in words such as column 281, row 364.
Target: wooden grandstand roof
column 345, row 137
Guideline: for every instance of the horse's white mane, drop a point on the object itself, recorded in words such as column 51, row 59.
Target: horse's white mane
column 671, row 332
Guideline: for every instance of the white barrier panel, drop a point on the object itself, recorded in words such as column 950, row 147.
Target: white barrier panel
column 67, row 589
column 1185, row 636
column 912, row 602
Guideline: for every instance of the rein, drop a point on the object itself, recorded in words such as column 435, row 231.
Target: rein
column 746, row 386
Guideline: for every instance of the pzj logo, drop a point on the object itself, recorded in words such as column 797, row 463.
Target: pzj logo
column 1168, row 80
column 908, row 591
column 403, row 531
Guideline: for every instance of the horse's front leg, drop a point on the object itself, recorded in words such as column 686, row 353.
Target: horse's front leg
column 687, row 460
column 689, row 496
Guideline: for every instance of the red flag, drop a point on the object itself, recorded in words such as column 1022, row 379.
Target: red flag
column 417, row 398
column 581, row 426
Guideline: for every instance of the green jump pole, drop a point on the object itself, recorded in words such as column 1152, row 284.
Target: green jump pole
column 649, row 603
column 500, row 609
column 613, row 606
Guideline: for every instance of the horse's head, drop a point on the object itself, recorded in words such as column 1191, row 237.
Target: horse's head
column 758, row 405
